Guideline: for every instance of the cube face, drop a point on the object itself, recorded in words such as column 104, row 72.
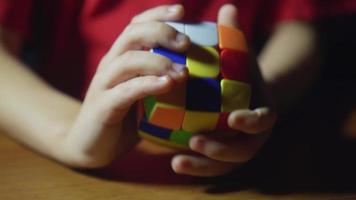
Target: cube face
column 167, row 116
column 233, row 39
column 235, row 65
column 155, row 130
column 222, row 124
column 148, row 103
column 196, row 122
column 203, row 62
column 173, row 56
column 181, row 137
column 158, row 140
column 203, row 94
column 218, row 83
column 235, row 95
column 210, row 36
column 178, row 26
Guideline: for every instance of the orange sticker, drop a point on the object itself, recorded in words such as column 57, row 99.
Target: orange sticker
column 231, row 38
column 167, row 117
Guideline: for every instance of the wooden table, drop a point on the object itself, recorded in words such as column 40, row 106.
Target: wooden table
column 26, row 175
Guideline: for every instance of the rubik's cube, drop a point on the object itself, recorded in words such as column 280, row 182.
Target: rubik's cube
column 218, row 84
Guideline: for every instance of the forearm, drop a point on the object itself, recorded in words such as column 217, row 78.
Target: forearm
column 30, row 110
column 51, row 122
column 93, row 133
column 288, row 61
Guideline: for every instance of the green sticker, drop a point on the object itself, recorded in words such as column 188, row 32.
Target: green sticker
column 181, row 137
column 149, row 102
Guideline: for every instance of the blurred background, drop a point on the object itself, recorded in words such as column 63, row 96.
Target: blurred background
column 313, row 148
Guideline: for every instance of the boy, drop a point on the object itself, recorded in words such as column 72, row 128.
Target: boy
column 92, row 133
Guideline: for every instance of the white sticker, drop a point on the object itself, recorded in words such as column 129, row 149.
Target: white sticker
column 178, row 26
column 203, row 34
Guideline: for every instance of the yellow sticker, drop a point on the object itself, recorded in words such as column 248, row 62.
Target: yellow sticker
column 235, row 95
column 203, row 62
column 199, row 121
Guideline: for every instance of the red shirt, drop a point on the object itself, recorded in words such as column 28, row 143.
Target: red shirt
column 76, row 34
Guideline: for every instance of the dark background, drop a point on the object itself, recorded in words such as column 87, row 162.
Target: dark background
column 308, row 151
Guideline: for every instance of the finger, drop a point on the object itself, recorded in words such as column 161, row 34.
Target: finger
column 238, row 149
column 127, row 93
column 138, row 63
column 228, row 16
column 255, row 121
column 139, row 36
column 161, row 13
column 199, row 166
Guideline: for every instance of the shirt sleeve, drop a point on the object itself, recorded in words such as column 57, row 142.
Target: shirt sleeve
column 300, row 10
column 15, row 16
column 311, row 10
column 274, row 12
column 332, row 8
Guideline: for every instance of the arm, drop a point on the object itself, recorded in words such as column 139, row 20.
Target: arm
column 288, row 61
column 31, row 111
column 90, row 133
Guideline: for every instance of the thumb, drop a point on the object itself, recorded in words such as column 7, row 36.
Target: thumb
column 228, row 16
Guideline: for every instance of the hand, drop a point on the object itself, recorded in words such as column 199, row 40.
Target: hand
column 105, row 127
column 223, row 153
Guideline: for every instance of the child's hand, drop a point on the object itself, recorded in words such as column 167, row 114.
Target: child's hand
column 226, row 152
column 105, row 126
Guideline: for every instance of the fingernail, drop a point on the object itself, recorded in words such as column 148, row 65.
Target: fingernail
column 261, row 111
column 197, row 143
column 178, row 67
column 173, row 9
column 251, row 119
column 180, row 164
column 163, row 79
column 180, row 37
column 214, row 146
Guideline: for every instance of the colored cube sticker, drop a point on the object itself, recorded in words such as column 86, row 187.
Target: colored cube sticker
column 203, row 62
column 181, row 137
column 173, row 56
column 154, row 130
column 203, row 34
column 231, row 38
column 149, row 103
column 235, row 65
column 199, row 121
column 157, row 140
column 235, row 95
column 167, row 116
column 203, row 94
column 178, row 26
column 222, row 125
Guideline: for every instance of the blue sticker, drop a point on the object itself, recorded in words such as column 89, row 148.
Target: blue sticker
column 173, row 56
column 203, row 94
column 155, row 130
